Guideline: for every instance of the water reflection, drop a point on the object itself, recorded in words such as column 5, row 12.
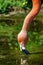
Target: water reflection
column 24, row 61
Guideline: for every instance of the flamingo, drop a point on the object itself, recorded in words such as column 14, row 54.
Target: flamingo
column 23, row 34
